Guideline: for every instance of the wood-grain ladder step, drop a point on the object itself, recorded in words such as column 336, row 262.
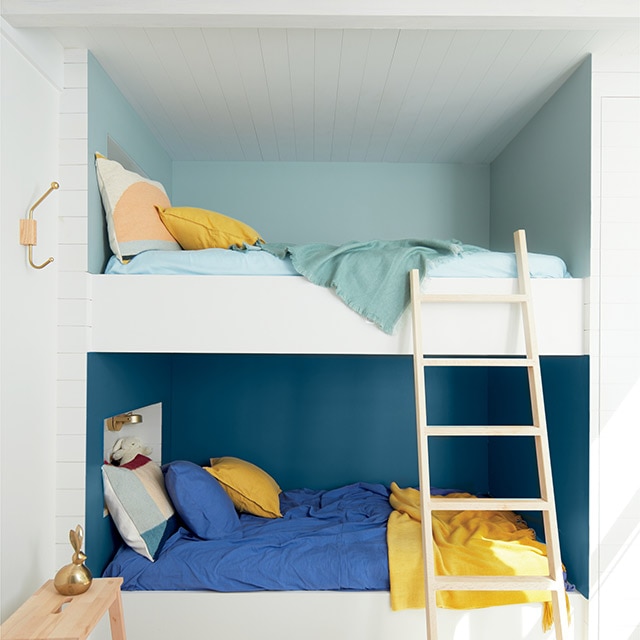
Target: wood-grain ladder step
column 482, row 430
column 489, row 504
column 496, row 583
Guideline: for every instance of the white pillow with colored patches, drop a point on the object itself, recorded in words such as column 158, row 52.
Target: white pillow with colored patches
column 130, row 202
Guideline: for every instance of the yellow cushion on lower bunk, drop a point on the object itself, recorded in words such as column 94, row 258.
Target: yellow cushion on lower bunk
column 251, row 489
column 195, row 228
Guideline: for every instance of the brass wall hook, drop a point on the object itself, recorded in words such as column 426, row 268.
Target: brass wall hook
column 29, row 230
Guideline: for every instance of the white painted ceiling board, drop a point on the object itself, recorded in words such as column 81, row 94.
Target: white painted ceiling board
column 172, row 77
column 459, row 73
column 443, row 100
column 136, row 69
column 450, row 128
column 399, row 93
column 218, row 132
column 275, row 57
column 248, row 53
column 407, row 50
column 223, row 120
column 355, row 49
column 226, row 64
column 301, row 62
column 377, row 66
column 326, row 73
column 417, row 87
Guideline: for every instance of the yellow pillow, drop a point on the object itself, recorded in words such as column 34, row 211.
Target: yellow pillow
column 201, row 229
column 250, row 488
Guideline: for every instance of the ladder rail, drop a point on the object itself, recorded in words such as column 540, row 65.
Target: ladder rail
column 543, row 453
column 423, row 458
column 554, row 582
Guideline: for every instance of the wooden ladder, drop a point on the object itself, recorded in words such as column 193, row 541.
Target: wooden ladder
column 554, row 582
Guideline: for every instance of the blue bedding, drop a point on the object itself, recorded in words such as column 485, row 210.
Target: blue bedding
column 225, row 262
column 326, row 540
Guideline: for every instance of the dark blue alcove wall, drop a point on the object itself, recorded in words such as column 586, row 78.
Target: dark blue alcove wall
column 116, row 383
column 512, row 470
column 320, row 421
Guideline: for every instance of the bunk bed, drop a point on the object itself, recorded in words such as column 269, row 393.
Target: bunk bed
column 273, row 309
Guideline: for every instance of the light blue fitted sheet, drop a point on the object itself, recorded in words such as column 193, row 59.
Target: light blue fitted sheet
column 480, row 264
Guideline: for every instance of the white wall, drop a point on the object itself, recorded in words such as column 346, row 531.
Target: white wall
column 615, row 348
column 28, row 164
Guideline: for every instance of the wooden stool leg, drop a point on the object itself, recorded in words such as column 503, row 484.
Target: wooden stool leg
column 116, row 619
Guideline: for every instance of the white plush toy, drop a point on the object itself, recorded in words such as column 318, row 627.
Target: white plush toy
column 126, row 449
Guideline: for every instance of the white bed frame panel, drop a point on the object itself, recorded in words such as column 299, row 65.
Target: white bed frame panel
column 279, row 314
column 293, row 615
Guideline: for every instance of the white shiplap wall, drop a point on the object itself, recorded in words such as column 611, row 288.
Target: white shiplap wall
column 73, row 303
column 615, row 359
column 30, row 82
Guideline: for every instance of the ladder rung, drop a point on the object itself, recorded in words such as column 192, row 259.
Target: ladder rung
column 459, row 430
column 488, row 504
column 496, row 583
column 478, row 362
column 473, row 297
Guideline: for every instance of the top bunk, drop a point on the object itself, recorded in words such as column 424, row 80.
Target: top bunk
column 537, row 177
column 167, row 308
column 182, row 279
column 188, row 280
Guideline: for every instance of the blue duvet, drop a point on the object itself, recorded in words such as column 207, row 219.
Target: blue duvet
column 326, row 540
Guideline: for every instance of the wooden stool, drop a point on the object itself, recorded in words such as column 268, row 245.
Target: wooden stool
column 48, row 615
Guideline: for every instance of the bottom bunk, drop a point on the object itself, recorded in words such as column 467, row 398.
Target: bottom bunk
column 318, row 421
column 228, row 527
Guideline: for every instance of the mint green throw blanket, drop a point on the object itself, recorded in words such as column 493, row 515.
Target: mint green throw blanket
column 372, row 278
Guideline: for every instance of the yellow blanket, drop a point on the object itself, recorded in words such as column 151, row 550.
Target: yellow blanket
column 465, row 543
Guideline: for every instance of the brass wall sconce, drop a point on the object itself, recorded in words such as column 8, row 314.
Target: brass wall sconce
column 29, row 230
column 117, row 422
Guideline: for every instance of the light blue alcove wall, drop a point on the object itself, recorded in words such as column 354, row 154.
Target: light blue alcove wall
column 111, row 116
column 541, row 182
column 337, row 202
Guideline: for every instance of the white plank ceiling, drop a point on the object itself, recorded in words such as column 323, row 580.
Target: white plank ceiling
column 339, row 94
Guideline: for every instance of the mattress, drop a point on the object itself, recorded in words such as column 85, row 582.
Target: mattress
column 326, row 540
column 225, row 262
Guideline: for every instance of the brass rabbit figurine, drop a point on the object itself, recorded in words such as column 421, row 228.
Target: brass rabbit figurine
column 74, row 579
